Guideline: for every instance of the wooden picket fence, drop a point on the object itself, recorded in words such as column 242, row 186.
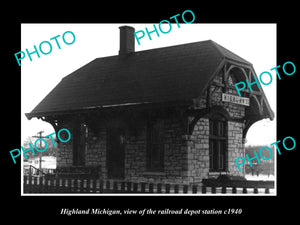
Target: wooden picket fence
column 95, row 186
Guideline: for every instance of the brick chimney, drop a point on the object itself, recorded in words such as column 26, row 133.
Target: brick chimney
column 126, row 40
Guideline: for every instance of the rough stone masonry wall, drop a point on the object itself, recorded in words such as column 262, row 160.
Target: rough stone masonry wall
column 198, row 152
column 198, row 141
column 235, row 145
column 175, row 157
column 186, row 158
column 96, row 151
column 95, row 154
column 64, row 155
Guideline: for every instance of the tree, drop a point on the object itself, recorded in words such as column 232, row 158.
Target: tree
column 265, row 166
column 50, row 151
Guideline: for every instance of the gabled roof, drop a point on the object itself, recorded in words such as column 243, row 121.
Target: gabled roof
column 169, row 74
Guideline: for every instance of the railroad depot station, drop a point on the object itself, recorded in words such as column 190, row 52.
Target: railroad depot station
column 167, row 115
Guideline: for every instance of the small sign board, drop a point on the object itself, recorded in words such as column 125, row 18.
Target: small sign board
column 235, row 99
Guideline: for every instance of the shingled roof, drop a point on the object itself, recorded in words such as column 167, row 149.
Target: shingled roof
column 169, row 74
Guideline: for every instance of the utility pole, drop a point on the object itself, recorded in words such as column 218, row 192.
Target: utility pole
column 40, row 159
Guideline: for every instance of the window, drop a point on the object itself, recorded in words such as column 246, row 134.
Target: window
column 155, row 146
column 217, row 144
column 80, row 144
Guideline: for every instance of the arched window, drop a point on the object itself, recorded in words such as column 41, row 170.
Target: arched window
column 217, row 143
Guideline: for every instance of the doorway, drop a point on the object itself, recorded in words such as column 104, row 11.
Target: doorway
column 115, row 152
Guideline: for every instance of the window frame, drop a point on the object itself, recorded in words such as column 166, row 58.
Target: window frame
column 218, row 140
column 80, row 144
column 155, row 146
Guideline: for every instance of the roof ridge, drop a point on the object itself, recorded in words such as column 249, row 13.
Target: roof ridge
column 216, row 45
column 224, row 52
column 173, row 46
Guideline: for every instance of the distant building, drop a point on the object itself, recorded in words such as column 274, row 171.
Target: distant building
column 48, row 165
column 160, row 115
column 48, row 162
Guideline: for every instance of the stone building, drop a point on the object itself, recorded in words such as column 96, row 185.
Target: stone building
column 168, row 115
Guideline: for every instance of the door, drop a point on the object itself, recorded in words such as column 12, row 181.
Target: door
column 79, row 144
column 115, row 153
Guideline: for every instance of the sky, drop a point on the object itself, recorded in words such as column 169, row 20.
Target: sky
column 254, row 42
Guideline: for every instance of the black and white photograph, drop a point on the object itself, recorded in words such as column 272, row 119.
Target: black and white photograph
column 138, row 113
column 149, row 117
